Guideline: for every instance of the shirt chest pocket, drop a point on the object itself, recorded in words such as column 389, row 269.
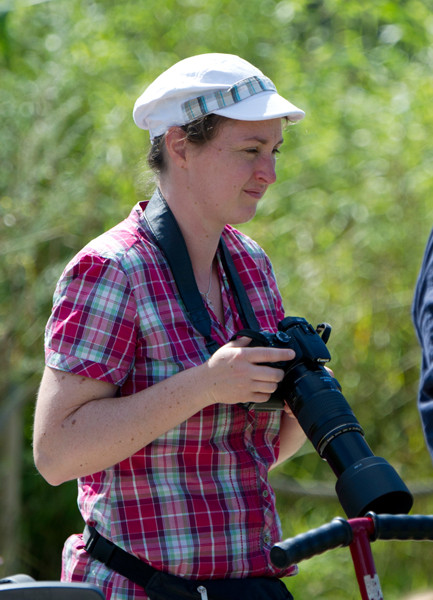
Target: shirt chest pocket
column 167, row 337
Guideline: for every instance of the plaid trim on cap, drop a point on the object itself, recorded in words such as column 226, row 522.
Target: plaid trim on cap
column 204, row 105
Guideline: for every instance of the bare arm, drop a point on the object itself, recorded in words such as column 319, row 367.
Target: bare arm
column 80, row 426
column 292, row 437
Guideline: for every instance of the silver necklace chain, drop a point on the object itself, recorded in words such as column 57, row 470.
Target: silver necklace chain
column 205, row 295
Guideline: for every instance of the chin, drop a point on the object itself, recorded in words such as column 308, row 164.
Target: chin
column 245, row 218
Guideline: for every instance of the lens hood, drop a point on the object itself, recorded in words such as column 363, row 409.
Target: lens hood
column 372, row 484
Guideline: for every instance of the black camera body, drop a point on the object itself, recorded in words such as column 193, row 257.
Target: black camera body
column 365, row 482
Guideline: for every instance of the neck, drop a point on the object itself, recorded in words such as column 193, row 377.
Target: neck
column 200, row 238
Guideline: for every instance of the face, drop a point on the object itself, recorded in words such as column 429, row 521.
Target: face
column 229, row 175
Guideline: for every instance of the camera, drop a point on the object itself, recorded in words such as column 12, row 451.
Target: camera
column 365, row 482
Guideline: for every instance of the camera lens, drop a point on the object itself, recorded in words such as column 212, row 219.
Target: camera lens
column 365, row 482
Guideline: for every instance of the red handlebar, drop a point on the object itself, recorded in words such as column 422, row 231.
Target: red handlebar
column 316, row 541
column 339, row 532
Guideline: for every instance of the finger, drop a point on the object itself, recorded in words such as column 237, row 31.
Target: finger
column 261, row 354
column 259, row 397
column 288, row 410
column 265, row 387
column 265, row 373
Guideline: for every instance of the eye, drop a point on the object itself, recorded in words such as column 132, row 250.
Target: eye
column 276, row 151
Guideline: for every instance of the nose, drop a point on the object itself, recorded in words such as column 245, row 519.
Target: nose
column 265, row 170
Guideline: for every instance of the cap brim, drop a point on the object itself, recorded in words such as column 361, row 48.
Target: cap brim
column 262, row 107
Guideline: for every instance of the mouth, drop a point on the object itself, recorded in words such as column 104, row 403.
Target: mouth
column 257, row 194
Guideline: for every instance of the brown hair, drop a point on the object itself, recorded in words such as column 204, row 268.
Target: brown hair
column 197, row 132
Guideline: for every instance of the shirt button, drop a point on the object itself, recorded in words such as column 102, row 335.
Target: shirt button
column 267, row 538
column 265, row 493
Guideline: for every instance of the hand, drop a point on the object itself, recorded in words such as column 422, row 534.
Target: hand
column 236, row 372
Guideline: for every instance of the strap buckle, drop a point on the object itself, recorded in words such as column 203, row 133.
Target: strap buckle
column 97, row 546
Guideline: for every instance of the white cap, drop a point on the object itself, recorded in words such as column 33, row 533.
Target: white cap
column 223, row 84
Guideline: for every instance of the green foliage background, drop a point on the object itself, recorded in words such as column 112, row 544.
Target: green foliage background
column 345, row 225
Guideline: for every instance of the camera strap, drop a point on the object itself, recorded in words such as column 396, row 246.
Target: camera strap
column 169, row 238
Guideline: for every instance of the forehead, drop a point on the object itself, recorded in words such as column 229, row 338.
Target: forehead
column 266, row 132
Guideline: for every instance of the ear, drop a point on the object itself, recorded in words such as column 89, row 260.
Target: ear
column 175, row 143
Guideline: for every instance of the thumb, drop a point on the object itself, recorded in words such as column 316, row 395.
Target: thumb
column 240, row 342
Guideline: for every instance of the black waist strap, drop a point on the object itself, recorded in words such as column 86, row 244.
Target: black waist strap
column 117, row 559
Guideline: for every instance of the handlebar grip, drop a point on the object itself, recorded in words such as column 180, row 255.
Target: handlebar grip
column 402, row 527
column 305, row 545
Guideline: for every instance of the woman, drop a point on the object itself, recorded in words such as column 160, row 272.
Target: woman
column 148, row 412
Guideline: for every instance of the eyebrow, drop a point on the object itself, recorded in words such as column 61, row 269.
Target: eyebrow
column 261, row 140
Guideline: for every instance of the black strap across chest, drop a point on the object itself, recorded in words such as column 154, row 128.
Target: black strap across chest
column 169, row 238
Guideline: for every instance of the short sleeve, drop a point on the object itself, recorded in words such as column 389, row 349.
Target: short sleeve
column 92, row 330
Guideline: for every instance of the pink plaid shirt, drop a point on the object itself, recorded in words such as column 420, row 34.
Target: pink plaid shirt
column 196, row 502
